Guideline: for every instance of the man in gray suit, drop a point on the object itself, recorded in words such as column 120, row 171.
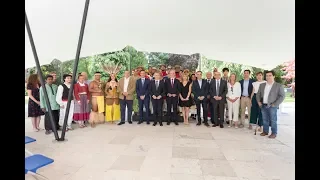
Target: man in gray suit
column 270, row 95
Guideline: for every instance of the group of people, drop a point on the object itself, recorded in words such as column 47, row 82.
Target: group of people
column 162, row 95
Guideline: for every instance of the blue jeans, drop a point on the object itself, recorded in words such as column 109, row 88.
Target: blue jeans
column 269, row 114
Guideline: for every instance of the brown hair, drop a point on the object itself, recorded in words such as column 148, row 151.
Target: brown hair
column 33, row 80
column 259, row 73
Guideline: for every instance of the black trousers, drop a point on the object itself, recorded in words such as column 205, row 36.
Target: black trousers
column 145, row 103
column 172, row 102
column 47, row 122
column 218, row 108
column 157, row 109
column 204, row 108
column 123, row 104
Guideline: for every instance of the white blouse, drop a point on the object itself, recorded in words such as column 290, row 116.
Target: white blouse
column 234, row 91
column 256, row 85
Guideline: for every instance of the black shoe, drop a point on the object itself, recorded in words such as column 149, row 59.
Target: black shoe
column 199, row 123
column 161, row 124
column 154, row 124
column 148, row 122
column 227, row 122
column 140, row 122
column 130, row 122
column 48, row 132
column 176, row 123
column 120, row 123
column 221, row 125
column 168, row 123
column 206, row 124
column 214, row 125
column 73, row 122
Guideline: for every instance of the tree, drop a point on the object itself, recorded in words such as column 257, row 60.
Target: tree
column 137, row 58
column 156, row 59
column 289, row 70
column 278, row 74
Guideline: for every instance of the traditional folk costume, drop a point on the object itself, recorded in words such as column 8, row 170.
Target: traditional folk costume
column 112, row 95
column 62, row 100
column 81, row 107
column 97, row 116
column 112, row 103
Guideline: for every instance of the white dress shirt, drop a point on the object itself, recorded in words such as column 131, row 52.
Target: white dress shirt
column 256, row 85
column 217, row 90
column 266, row 92
column 126, row 83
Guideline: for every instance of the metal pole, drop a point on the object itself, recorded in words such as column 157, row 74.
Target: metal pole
column 75, row 68
column 54, row 129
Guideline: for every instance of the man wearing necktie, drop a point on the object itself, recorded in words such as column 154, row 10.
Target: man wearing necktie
column 172, row 88
column 218, row 91
column 210, row 105
column 157, row 93
column 142, row 90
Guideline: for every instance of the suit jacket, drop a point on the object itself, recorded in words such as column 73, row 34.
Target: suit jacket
column 223, row 90
column 143, row 90
column 276, row 95
column 250, row 87
column 157, row 92
column 130, row 90
column 203, row 91
column 176, row 89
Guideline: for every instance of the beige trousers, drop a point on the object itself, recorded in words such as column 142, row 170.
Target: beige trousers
column 245, row 102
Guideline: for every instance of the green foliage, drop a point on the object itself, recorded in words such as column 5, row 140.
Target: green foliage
column 156, row 59
column 137, row 58
column 278, row 74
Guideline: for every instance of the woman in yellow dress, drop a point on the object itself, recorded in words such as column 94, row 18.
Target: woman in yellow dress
column 112, row 99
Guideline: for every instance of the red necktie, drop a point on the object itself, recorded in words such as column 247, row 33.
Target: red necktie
column 172, row 83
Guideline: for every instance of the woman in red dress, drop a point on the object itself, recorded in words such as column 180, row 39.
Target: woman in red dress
column 82, row 96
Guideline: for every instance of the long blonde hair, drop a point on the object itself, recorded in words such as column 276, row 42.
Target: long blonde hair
column 235, row 78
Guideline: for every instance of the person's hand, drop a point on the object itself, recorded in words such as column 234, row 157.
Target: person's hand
column 79, row 102
column 260, row 104
column 174, row 95
column 154, row 97
column 43, row 109
column 272, row 105
column 142, row 97
column 88, row 101
column 159, row 97
column 125, row 93
column 187, row 98
column 38, row 102
column 62, row 106
column 169, row 95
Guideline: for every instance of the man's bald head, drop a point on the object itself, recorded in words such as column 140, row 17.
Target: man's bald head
column 126, row 74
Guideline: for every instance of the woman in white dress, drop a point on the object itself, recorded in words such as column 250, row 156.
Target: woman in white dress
column 233, row 100
column 255, row 115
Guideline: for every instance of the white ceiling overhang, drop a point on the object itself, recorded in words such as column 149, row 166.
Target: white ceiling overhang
column 258, row 33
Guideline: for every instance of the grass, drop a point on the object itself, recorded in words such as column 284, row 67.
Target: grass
column 288, row 97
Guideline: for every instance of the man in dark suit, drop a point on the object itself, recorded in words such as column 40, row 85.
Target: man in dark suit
column 218, row 91
column 210, row 105
column 142, row 89
column 157, row 93
column 245, row 101
column 200, row 90
column 172, row 88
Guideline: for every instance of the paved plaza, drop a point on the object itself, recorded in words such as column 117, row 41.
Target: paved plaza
column 142, row 152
